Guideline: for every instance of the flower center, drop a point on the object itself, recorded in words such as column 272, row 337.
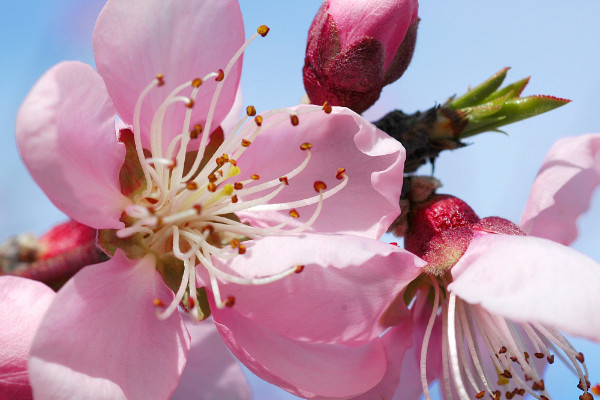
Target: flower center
column 187, row 195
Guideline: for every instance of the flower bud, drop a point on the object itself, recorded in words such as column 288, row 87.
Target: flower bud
column 441, row 228
column 356, row 47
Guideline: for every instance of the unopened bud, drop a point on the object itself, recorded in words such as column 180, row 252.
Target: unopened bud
column 356, row 47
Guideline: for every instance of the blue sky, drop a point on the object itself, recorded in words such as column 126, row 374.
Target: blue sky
column 459, row 43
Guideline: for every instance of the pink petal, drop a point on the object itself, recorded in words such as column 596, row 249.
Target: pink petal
column 309, row 370
column 410, row 387
column 101, row 338
column 397, row 342
column 211, row 372
column 134, row 41
column 66, row 137
column 528, row 279
column 563, row 188
column 373, row 161
column 24, row 303
column 346, row 285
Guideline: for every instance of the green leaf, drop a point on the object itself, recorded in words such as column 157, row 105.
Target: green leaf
column 478, row 93
column 512, row 110
column 514, row 90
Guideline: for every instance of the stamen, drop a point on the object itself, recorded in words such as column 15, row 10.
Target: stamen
column 460, row 386
column 427, row 335
column 294, row 120
column 263, row 30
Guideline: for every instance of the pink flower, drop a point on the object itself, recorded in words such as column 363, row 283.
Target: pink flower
column 356, row 47
column 24, row 303
column 201, row 221
column 504, row 296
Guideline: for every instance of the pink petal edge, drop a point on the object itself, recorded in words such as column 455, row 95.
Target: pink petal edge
column 373, row 161
column 563, row 188
column 344, row 289
column 66, row 137
column 203, row 40
column 24, row 303
column 101, row 338
column 529, row 279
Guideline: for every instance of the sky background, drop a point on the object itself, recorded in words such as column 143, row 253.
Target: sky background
column 460, row 42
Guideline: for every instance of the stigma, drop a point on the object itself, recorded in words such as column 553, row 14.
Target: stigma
column 191, row 190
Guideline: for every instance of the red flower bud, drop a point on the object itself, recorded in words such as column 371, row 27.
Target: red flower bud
column 441, row 228
column 356, row 47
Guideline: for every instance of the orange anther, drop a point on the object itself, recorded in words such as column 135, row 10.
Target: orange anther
column 212, row 178
column 234, row 198
column 198, row 208
column 250, row 111
column 161, row 79
column 197, row 82
column 320, row 186
column 305, row 146
column 259, row 120
column 212, row 187
column 196, row 131
column 480, row 395
column 191, row 185
column 230, row 301
column 263, row 30
column 340, row 173
column 255, row 177
column 246, row 143
column 191, row 302
column 238, row 185
column 284, row 179
column 220, row 75
column 327, row 108
column 241, row 249
column 190, row 103
column 596, row 389
column 294, row 120
column 232, row 162
column 220, row 162
column 235, row 243
column 158, row 303
column 299, row 269
column 294, row 213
